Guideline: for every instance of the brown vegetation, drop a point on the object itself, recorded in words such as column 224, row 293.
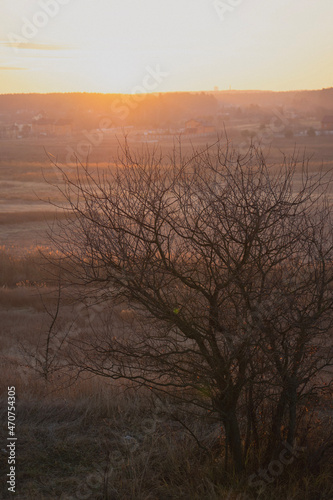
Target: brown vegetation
column 152, row 243
column 104, row 440
column 228, row 264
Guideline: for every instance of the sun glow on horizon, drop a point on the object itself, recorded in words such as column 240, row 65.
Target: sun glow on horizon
column 128, row 47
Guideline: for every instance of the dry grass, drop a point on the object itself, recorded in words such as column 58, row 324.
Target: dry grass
column 95, row 439
column 24, row 269
column 26, row 217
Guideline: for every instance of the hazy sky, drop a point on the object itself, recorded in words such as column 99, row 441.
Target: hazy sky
column 164, row 45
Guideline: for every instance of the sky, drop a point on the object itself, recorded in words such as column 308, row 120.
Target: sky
column 135, row 46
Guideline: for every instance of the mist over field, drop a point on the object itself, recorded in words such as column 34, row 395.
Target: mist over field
column 46, row 141
column 69, row 128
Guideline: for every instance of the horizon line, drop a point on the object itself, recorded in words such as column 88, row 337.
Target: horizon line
column 170, row 92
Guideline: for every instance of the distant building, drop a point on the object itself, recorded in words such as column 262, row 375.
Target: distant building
column 327, row 123
column 45, row 126
column 63, row 127
column 197, row 127
column 9, row 132
column 15, row 131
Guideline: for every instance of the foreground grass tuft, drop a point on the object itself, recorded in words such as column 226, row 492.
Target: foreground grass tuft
column 95, row 440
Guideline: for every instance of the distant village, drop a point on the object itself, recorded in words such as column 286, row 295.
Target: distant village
column 201, row 115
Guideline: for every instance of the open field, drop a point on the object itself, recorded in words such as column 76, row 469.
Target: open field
column 28, row 178
column 83, row 437
column 97, row 439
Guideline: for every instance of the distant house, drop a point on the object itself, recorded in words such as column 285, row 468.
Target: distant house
column 198, row 127
column 327, row 122
column 9, row 131
column 45, row 126
column 63, row 127
column 15, row 131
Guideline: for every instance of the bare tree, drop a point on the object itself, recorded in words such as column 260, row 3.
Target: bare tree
column 227, row 263
column 47, row 356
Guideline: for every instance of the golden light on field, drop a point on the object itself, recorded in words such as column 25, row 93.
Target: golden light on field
column 103, row 46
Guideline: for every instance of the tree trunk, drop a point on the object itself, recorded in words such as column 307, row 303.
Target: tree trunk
column 292, row 413
column 274, row 441
column 234, row 439
column 251, row 430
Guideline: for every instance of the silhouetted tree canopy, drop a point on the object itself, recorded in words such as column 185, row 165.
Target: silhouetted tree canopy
column 227, row 263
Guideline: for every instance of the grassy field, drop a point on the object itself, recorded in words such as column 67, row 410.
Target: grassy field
column 28, row 178
column 92, row 438
column 83, row 437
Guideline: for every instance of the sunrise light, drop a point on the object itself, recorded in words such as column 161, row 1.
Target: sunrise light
column 103, row 46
